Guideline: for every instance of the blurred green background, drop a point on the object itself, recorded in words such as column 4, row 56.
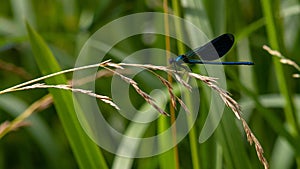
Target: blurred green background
column 267, row 92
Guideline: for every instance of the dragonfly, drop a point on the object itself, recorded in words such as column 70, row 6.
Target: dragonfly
column 212, row 50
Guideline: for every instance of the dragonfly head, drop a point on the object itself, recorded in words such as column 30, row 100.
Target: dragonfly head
column 179, row 60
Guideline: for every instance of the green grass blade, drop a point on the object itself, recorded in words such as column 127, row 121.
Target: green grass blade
column 181, row 49
column 166, row 159
column 39, row 131
column 235, row 154
column 282, row 82
column 86, row 152
column 273, row 27
column 138, row 130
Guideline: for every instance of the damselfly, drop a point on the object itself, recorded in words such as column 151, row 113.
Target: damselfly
column 212, row 50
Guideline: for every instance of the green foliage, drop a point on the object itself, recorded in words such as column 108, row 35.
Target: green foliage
column 267, row 93
column 85, row 150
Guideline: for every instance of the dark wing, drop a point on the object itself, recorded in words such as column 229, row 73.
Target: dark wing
column 214, row 49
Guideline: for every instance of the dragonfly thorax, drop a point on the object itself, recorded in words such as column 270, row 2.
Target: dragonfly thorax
column 179, row 60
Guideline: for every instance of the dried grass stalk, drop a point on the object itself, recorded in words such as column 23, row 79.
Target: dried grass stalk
column 252, row 139
column 228, row 100
column 18, row 122
column 211, row 82
column 147, row 97
column 105, row 99
column 14, row 69
column 283, row 59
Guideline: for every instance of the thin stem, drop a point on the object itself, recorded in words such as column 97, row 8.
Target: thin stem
column 51, row 75
column 168, row 56
column 192, row 135
column 46, row 100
